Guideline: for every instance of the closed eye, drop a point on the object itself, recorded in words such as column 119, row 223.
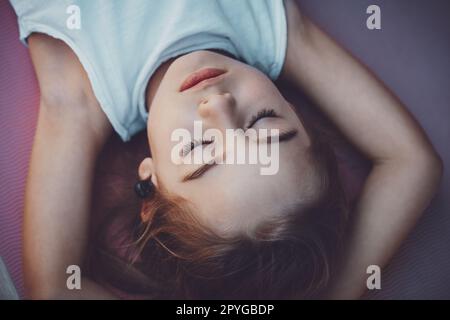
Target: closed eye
column 187, row 148
column 284, row 136
column 265, row 113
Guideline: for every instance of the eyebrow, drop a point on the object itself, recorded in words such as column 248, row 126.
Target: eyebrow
column 284, row 136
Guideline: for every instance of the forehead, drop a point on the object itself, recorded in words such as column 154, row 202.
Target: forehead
column 240, row 200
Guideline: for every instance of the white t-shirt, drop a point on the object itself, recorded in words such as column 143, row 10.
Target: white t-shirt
column 121, row 43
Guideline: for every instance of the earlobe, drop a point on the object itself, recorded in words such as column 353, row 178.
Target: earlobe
column 146, row 184
column 154, row 180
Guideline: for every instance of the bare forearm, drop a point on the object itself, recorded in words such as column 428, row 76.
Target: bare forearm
column 57, row 201
column 393, row 199
column 71, row 131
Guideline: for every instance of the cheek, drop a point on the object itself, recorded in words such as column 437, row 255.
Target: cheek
column 160, row 126
column 262, row 91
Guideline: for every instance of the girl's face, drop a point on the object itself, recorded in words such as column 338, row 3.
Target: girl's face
column 227, row 197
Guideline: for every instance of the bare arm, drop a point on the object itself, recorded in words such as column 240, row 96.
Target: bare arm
column 406, row 169
column 70, row 132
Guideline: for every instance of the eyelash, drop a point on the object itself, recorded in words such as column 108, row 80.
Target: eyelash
column 195, row 143
column 265, row 113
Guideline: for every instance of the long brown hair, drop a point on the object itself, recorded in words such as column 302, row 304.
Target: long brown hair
column 173, row 256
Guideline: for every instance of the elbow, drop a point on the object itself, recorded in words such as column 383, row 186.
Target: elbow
column 40, row 290
column 43, row 288
column 421, row 164
column 46, row 293
column 437, row 169
column 38, row 293
column 430, row 164
column 433, row 162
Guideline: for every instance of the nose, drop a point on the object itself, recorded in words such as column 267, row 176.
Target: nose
column 218, row 110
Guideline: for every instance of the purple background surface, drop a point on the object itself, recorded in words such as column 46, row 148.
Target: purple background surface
column 410, row 54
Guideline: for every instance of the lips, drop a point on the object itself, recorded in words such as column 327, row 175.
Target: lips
column 200, row 76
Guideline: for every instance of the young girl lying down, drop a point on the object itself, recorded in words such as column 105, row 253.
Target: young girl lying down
column 215, row 230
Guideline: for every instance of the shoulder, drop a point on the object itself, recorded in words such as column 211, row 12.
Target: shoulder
column 66, row 93
column 62, row 79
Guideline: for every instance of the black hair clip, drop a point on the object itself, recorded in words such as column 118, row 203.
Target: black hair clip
column 143, row 188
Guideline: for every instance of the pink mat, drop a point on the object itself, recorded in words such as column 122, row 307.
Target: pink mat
column 19, row 96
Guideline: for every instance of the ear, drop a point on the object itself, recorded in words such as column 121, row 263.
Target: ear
column 147, row 170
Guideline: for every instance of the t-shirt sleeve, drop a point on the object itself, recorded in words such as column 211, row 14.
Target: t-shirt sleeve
column 261, row 35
